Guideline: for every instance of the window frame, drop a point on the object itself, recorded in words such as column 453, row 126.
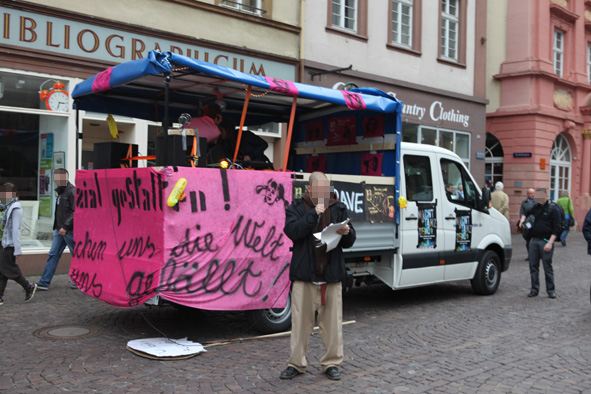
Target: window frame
column 237, row 5
column 558, row 51
column 465, row 179
column 361, row 22
column 462, row 11
column 429, row 176
column 416, row 28
column 343, row 18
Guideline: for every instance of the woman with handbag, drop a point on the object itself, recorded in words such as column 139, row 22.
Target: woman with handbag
column 567, row 205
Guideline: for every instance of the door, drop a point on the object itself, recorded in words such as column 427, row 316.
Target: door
column 422, row 240
column 462, row 222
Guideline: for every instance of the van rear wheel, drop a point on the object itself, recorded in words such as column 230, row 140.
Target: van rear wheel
column 270, row 321
column 488, row 275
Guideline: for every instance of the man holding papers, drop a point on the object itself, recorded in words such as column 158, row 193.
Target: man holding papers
column 316, row 272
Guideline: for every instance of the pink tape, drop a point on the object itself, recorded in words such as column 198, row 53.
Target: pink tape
column 353, row 100
column 282, row 86
column 101, row 81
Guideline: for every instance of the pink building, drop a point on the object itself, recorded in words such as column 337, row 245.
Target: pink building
column 539, row 115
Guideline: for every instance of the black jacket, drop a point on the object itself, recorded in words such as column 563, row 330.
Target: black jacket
column 299, row 227
column 548, row 220
column 587, row 231
column 64, row 207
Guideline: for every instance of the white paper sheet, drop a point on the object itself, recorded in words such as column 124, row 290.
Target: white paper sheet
column 163, row 347
column 329, row 235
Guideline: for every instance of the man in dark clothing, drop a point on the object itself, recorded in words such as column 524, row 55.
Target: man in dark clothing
column 526, row 205
column 546, row 228
column 316, row 276
column 63, row 226
column 587, row 231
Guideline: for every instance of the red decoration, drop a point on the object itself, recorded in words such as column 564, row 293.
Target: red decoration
column 341, row 131
column 371, row 164
column 314, row 131
column 316, row 163
column 373, row 126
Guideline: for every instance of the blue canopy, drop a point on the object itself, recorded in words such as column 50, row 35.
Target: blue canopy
column 137, row 89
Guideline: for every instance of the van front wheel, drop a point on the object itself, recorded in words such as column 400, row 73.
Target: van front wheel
column 488, row 275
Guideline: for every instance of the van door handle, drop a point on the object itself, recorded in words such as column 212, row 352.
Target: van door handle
column 411, row 218
column 450, row 218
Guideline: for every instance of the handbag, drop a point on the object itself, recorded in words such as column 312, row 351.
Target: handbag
column 571, row 219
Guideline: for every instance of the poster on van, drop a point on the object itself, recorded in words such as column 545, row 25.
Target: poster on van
column 427, row 226
column 463, row 230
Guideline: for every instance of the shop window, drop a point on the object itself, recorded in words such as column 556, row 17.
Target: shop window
column 452, row 38
column 410, row 132
column 455, row 141
column 348, row 17
column 558, row 50
column 28, row 91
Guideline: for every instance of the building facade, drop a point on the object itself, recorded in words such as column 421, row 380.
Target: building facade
column 47, row 47
column 538, row 83
column 428, row 54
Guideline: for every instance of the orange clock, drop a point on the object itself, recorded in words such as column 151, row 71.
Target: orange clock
column 56, row 98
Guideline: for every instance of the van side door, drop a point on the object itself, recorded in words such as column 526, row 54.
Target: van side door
column 461, row 219
column 422, row 241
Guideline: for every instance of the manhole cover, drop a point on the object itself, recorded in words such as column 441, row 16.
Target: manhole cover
column 68, row 333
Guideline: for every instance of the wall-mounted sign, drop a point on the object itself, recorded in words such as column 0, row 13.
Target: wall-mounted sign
column 522, row 154
column 480, row 155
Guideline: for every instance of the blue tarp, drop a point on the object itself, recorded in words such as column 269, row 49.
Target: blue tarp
column 131, row 89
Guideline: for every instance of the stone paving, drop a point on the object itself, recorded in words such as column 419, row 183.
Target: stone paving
column 439, row 339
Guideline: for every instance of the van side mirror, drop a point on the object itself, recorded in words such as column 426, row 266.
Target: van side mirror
column 485, row 199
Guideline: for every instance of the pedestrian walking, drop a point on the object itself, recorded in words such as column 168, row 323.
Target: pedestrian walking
column 500, row 200
column 10, row 251
column 316, row 275
column 567, row 205
column 526, row 205
column 587, row 231
column 546, row 229
column 63, row 226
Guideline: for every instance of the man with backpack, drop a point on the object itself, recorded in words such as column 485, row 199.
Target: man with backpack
column 546, row 228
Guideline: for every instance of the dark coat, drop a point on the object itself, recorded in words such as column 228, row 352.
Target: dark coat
column 64, row 207
column 299, row 227
column 587, row 231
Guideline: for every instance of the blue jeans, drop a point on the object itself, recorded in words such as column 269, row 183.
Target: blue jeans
column 564, row 234
column 55, row 253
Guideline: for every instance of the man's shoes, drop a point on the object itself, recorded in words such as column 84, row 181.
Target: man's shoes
column 73, row 286
column 526, row 259
column 532, row 294
column 41, row 287
column 333, row 373
column 552, row 294
column 289, row 373
column 30, row 292
column 563, row 242
column 1, row 301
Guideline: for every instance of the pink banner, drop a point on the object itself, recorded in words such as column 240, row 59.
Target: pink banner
column 222, row 247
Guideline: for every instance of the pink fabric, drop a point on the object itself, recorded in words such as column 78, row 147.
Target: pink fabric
column 224, row 249
column 353, row 100
column 282, row 86
column 101, row 81
column 206, row 127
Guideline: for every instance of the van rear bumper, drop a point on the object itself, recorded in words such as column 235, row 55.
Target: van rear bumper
column 507, row 252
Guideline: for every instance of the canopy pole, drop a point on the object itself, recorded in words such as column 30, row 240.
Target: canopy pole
column 165, row 160
column 242, row 120
column 289, row 132
column 78, row 136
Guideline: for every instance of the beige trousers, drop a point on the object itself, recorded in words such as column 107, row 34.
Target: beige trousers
column 306, row 299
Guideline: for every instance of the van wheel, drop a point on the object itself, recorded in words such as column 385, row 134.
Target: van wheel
column 488, row 276
column 268, row 321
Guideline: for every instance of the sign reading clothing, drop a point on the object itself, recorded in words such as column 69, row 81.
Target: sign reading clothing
column 222, row 248
column 66, row 37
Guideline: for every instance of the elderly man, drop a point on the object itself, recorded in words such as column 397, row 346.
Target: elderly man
column 500, row 200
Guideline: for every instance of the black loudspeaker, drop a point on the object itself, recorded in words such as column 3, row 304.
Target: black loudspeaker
column 175, row 155
column 109, row 155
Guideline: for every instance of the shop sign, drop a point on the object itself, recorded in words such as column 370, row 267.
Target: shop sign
column 437, row 112
column 66, row 37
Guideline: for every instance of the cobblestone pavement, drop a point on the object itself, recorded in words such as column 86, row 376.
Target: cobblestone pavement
column 437, row 339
